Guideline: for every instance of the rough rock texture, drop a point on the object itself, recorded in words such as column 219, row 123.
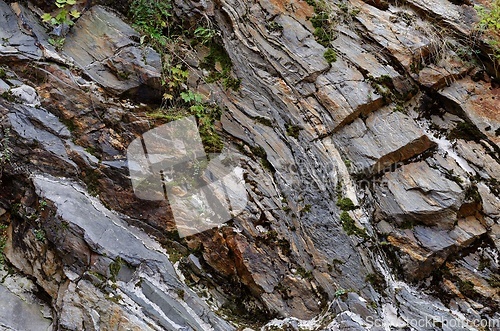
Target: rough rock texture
column 401, row 125
column 102, row 45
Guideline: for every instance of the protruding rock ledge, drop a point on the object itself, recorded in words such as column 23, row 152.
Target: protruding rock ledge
column 385, row 138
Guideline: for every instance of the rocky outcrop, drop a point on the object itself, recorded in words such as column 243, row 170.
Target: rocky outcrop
column 104, row 47
column 416, row 192
column 371, row 175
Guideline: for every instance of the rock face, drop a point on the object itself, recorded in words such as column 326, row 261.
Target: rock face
column 416, row 192
column 382, row 140
column 16, row 314
column 371, row 174
column 102, row 45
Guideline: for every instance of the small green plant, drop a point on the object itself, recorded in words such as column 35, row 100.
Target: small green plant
column 191, row 96
column 42, row 204
column 180, row 293
column 340, row 292
column 219, row 58
column 62, row 20
column 39, row 234
column 274, row 27
column 466, row 131
column 65, row 16
column 152, row 18
column 174, row 77
column 490, row 18
column 57, row 42
column 330, row 55
column 400, row 108
column 407, row 225
column 483, row 264
column 115, row 267
column 9, row 96
column 204, row 35
column 490, row 24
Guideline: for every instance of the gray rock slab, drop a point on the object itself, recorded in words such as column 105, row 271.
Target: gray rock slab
column 104, row 47
column 385, row 138
column 17, row 40
column 18, row 315
column 417, row 191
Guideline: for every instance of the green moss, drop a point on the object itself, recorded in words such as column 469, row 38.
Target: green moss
column 400, row 108
column 483, row 264
column 472, row 194
column 274, row 26
column 263, row 121
column 306, row 274
column 211, row 139
column 322, row 37
column 122, row 75
column 3, row 74
column 450, row 174
column 264, row 162
column 7, row 95
column 180, row 293
column 350, row 227
column 70, row 125
column 91, row 179
column 337, row 261
column 345, row 204
column 466, row 131
column 271, row 237
column 319, row 20
column 306, row 209
column 407, row 225
column 293, row 130
column 285, row 247
column 229, row 82
column 494, row 281
column 284, row 290
column 218, row 55
column 115, row 267
column 466, row 288
column 97, row 275
column 114, row 298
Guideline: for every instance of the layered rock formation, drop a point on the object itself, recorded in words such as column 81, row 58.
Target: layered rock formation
column 372, row 180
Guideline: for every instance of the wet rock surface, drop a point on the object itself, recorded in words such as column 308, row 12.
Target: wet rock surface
column 372, row 180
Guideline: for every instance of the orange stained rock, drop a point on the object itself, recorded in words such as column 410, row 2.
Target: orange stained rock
column 298, row 9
